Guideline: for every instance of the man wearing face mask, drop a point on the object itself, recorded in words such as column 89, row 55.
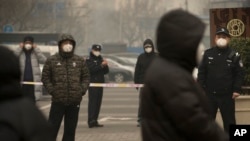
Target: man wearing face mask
column 98, row 67
column 66, row 78
column 221, row 76
column 30, row 57
column 143, row 62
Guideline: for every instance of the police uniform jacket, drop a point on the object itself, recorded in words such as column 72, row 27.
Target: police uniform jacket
column 97, row 72
column 221, row 71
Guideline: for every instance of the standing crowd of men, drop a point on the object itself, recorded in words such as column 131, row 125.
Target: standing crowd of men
column 66, row 77
column 170, row 103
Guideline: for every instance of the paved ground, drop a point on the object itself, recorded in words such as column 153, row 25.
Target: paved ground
column 118, row 114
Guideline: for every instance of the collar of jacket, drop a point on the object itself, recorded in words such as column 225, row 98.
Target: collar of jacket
column 66, row 55
column 92, row 56
column 149, row 54
column 224, row 49
column 27, row 51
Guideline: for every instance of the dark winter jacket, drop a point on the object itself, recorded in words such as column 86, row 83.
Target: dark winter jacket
column 20, row 120
column 66, row 79
column 220, row 74
column 97, row 72
column 143, row 62
column 173, row 106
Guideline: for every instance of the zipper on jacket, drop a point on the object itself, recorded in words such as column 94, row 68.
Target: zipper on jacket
column 67, row 71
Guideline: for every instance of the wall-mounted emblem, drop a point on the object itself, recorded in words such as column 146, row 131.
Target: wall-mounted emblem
column 235, row 27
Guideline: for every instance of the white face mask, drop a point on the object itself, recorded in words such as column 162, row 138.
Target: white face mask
column 28, row 46
column 221, row 42
column 148, row 49
column 199, row 53
column 67, row 48
column 96, row 53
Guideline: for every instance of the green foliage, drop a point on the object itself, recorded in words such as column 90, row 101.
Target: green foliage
column 242, row 45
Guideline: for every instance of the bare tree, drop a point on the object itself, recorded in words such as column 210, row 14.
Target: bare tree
column 137, row 20
column 14, row 12
column 51, row 16
column 75, row 21
column 26, row 15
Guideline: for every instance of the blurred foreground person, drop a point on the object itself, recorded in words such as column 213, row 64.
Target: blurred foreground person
column 98, row 67
column 66, row 78
column 30, row 57
column 221, row 75
column 142, row 64
column 174, row 107
column 20, row 120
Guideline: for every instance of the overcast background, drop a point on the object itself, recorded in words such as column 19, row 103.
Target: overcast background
column 100, row 21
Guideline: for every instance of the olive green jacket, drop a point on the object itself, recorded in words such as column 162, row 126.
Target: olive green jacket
column 66, row 79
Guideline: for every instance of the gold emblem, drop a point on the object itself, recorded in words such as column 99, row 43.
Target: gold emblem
column 235, row 27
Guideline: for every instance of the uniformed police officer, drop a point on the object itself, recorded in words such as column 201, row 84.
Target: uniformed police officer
column 98, row 67
column 221, row 76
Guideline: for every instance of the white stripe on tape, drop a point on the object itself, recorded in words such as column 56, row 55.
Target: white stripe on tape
column 121, row 85
column 32, row 83
column 112, row 85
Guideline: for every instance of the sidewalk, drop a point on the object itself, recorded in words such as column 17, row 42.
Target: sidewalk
column 110, row 132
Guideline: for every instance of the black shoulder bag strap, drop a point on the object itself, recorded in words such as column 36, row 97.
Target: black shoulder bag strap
column 231, row 55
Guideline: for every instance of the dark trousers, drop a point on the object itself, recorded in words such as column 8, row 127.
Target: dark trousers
column 94, row 105
column 70, row 114
column 227, row 109
column 29, row 91
column 139, row 107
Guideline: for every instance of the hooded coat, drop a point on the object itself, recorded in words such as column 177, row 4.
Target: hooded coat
column 20, row 120
column 174, row 107
column 143, row 62
column 65, row 75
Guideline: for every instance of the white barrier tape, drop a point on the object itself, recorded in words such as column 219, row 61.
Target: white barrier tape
column 32, row 83
column 111, row 85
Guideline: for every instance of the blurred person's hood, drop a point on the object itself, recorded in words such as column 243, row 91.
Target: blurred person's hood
column 178, row 36
column 10, row 75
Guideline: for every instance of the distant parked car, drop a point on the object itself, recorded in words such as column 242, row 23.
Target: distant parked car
column 118, row 75
column 127, row 56
column 121, row 60
column 119, row 70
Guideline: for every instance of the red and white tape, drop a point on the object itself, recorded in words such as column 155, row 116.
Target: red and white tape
column 111, row 85
column 116, row 85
